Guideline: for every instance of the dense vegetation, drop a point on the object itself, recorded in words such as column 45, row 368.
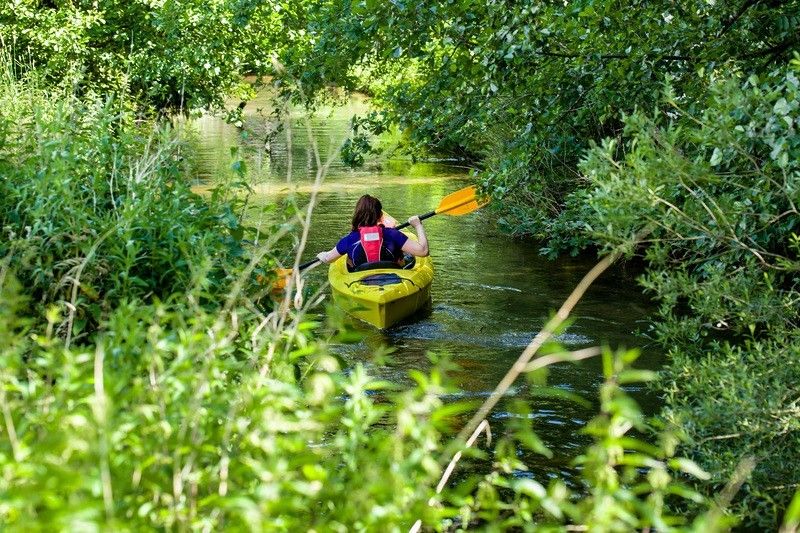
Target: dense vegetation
column 148, row 381
column 171, row 55
column 595, row 120
column 720, row 196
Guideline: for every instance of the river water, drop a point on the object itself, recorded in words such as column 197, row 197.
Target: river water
column 490, row 295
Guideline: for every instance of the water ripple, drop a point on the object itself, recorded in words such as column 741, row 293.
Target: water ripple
column 434, row 331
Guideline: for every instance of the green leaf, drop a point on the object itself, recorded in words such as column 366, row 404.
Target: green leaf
column 314, row 472
column 689, row 467
column 560, row 394
column 781, row 107
column 716, row 157
column 636, row 376
column 791, row 518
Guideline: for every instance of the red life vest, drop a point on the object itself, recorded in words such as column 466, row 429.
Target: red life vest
column 372, row 242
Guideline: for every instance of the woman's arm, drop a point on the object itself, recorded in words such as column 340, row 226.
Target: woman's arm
column 330, row 256
column 418, row 248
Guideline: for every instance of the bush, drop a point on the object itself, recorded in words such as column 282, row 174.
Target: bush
column 755, row 382
column 181, row 418
column 96, row 208
column 717, row 188
column 175, row 420
column 182, row 406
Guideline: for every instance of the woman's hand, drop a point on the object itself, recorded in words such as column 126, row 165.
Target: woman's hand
column 419, row 247
column 330, row 256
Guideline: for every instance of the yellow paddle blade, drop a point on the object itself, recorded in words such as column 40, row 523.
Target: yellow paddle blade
column 284, row 272
column 461, row 202
column 281, row 278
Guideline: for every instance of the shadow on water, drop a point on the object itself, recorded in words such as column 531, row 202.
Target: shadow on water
column 490, row 296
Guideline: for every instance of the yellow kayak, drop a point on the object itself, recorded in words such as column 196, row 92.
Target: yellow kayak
column 382, row 296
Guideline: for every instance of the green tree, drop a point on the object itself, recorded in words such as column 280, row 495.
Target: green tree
column 526, row 87
column 179, row 54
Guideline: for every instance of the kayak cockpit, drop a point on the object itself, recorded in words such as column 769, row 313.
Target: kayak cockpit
column 385, row 265
column 382, row 294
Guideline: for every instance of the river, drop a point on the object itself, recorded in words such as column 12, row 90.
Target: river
column 490, row 295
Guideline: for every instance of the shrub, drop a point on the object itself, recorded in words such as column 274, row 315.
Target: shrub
column 182, row 418
column 96, row 208
column 174, row 420
column 717, row 187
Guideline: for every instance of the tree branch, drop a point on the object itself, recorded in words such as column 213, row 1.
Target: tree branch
column 670, row 57
column 731, row 21
column 774, row 50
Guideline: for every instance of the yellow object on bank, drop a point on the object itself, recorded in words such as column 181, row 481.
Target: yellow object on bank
column 383, row 296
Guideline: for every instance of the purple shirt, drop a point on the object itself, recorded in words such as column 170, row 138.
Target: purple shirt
column 392, row 249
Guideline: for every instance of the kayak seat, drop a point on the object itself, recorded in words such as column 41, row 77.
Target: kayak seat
column 410, row 260
column 381, row 279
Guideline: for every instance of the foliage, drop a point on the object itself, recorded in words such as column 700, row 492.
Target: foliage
column 179, row 418
column 754, row 382
column 95, row 209
column 526, row 87
column 180, row 54
column 183, row 406
column 718, row 186
column 355, row 149
column 167, row 422
column 628, row 474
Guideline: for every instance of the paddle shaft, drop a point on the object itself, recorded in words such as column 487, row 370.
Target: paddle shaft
column 401, row 226
column 421, row 217
column 307, row 264
column 441, row 209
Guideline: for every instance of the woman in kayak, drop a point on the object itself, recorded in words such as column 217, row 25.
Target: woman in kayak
column 373, row 238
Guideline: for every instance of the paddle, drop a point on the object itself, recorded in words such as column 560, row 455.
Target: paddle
column 455, row 204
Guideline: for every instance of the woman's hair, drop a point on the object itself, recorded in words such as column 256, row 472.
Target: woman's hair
column 368, row 212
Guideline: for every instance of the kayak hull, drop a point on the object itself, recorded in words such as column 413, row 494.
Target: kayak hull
column 381, row 297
